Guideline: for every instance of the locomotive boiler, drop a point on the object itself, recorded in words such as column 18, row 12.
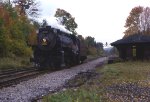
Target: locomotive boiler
column 57, row 49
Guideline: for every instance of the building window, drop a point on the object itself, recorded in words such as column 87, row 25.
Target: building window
column 134, row 51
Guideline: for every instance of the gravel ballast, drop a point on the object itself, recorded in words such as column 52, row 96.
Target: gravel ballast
column 27, row 91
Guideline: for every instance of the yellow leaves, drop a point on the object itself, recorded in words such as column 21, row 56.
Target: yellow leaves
column 132, row 21
column 14, row 30
column 32, row 38
column 19, row 48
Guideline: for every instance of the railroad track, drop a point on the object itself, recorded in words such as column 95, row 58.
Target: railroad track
column 11, row 77
column 9, row 71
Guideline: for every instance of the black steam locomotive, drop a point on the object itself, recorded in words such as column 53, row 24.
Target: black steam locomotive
column 57, row 49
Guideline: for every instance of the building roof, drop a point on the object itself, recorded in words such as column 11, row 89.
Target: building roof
column 133, row 39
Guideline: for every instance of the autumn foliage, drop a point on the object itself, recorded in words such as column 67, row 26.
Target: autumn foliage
column 138, row 21
column 92, row 47
column 14, row 31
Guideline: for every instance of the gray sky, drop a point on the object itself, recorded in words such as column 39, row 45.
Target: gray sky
column 102, row 19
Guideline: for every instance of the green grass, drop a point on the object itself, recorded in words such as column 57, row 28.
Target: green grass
column 12, row 63
column 74, row 95
column 111, row 74
column 125, row 72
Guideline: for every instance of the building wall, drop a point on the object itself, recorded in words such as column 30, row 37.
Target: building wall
column 147, row 52
column 134, row 52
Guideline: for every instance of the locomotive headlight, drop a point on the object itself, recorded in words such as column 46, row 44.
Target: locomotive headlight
column 44, row 41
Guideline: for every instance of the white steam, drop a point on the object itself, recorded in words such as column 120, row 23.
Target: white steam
column 55, row 23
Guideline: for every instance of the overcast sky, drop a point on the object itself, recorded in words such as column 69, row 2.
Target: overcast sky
column 102, row 19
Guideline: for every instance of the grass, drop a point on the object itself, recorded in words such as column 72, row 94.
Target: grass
column 111, row 74
column 125, row 72
column 74, row 95
column 11, row 63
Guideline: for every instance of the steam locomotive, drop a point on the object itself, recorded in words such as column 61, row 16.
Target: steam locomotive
column 57, row 49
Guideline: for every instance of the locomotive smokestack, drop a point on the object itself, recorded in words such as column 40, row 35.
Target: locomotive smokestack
column 48, row 27
column 58, row 31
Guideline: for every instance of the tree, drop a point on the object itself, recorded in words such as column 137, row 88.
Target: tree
column 13, row 33
column 90, row 41
column 133, row 21
column 44, row 23
column 27, row 7
column 144, row 21
column 36, row 24
column 138, row 21
column 99, row 47
column 67, row 20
